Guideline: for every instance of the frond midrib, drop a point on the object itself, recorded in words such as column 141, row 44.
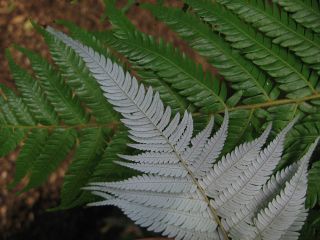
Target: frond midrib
column 274, row 103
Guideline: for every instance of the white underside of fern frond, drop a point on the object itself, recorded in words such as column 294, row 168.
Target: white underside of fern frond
column 181, row 172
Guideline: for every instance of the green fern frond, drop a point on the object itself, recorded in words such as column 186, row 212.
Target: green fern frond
column 180, row 168
column 313, row 196
column 41, row 97
column 31, row 149
column 276, row 61
column 58, row 144
column 240, row 72
column 78, row 78
column 304, row 12
column 204, row 41
column 87, row 156
column 16, row 106
column 32, row 94
column 279, row 25
column 58, row 93
column 148, row 55
column 92, row 40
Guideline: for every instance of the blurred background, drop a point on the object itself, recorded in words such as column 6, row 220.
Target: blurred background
column 25, row 216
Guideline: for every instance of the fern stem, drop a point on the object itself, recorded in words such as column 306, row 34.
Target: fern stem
column 114, row 124
column 273, row 103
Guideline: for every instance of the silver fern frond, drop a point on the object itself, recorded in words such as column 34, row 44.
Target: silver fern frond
column 185, row 192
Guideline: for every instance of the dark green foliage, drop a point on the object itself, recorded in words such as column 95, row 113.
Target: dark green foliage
column 58, row 93
column 314, row 186
column 304, row 12
column 77, row 76
column 115, row 145
column 171, row 68
column 92, row 142
column 279, row 26
column 236, row 69
column 31, row 150
column 58, row 144
column 267, row 55
column 311, row 229
column 32, row 94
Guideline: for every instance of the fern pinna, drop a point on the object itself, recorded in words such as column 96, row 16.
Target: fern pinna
column 267, row 57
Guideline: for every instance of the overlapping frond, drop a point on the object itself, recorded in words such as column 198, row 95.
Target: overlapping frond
column 313, row 188
column 76, row 75
column 46, row 114
column 171, row 196
column 178, row 71
column 150, row 126
column 168, row 95
column 32, row 94
column 58, row 93
column 287, row 208
column 255, row 84
column 278, row 25
column 92, row 142
column 304, row 12
column 276, row 61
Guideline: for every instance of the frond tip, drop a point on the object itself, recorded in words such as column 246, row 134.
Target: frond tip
column 185, row 192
